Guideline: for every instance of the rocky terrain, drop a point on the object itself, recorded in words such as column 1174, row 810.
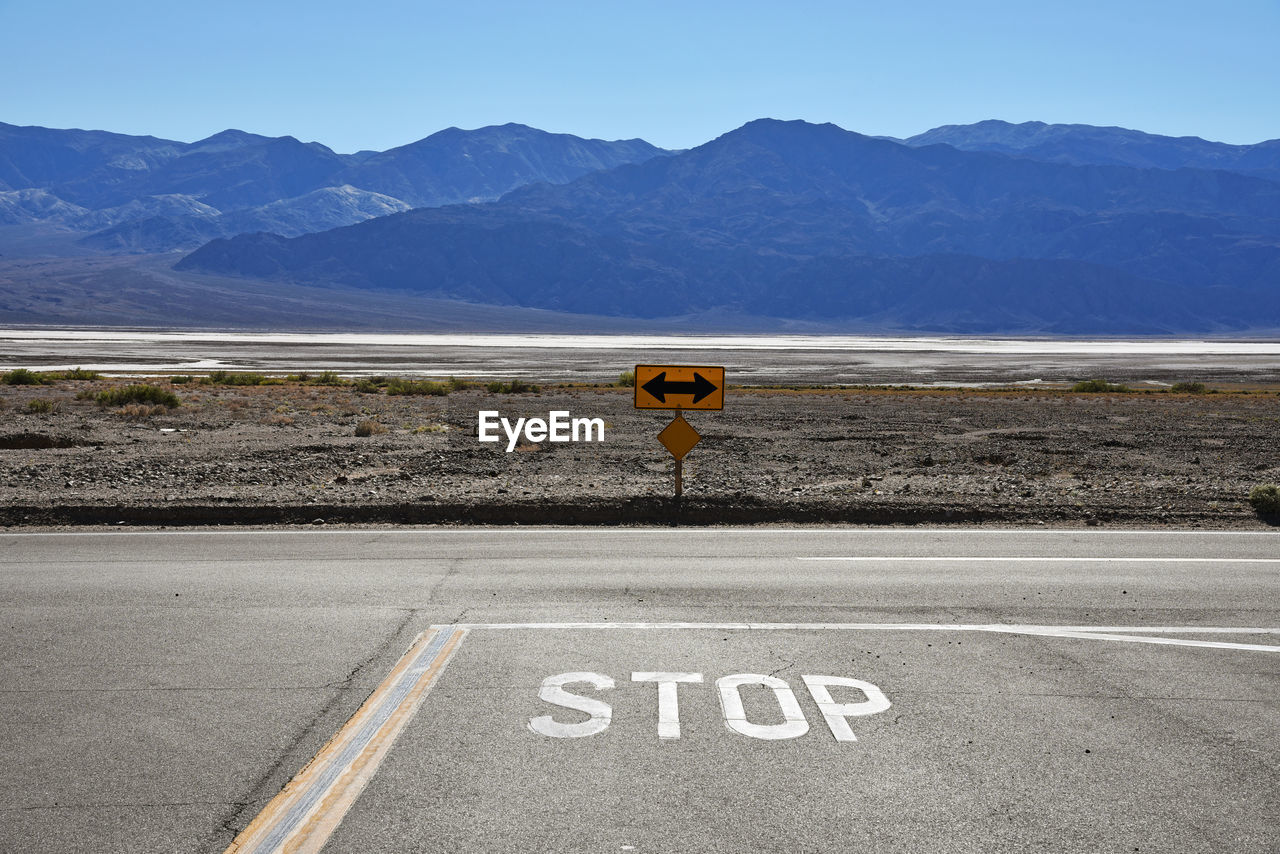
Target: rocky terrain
column 290, row 453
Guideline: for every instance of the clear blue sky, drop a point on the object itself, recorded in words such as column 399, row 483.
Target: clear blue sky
column 374, row 75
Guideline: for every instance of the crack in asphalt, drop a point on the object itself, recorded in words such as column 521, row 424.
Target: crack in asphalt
column 261, row 790
column 455, row 565
column 1210, row 738
column 788, row 666
column 242, row 688
column 144, row 805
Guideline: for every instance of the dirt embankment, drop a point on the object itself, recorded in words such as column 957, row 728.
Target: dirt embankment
column 290, row 454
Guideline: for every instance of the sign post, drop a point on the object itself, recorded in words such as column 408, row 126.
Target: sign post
column 679, row 387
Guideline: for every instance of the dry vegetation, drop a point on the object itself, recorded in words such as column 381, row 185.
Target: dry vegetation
column 1097, row 455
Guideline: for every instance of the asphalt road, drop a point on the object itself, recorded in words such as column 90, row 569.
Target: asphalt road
column 966, row 691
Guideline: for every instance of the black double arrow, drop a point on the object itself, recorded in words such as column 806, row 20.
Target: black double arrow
column 660, row 387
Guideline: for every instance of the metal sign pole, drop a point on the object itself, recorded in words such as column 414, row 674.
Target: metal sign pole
column 679, row 464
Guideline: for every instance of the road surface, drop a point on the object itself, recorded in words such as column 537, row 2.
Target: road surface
column 457, row 690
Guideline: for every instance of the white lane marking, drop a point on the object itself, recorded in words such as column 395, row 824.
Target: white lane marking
column 524, row 530
column 1254, row 647
column 794, row 723
column 306, row 811
column 838, row 558
column 1115, row 633
column 1036, row 559
column 892, row 627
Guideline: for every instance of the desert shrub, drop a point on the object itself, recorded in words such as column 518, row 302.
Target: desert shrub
column 329, row 378
column 137, row 394
column 403, row 386
column 278, row 420
column 513, row 387
column 626, row 379
column 43, row 406
column 369, row 428
column 368, row 387
column 322, row 378
column 243, row 378
column 21, row 376
column 1265, row 499
column 1095, row 386
column 79, row 374
column 1188, row 388
column 180, row 379
column 235, row 378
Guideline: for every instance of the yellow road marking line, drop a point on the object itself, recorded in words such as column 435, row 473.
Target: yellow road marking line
column 300, row 819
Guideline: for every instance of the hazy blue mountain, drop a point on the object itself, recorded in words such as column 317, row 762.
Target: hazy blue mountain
column 1086, row 144
column 229, row 177
column 42, row 158
column 480, row 165
column 168, row 205
column 29, row 205
column 330, row 207
column 73, row 172
column 230, row 139
column 789, row 219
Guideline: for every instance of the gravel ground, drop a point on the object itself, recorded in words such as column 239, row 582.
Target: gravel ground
column 289, row 453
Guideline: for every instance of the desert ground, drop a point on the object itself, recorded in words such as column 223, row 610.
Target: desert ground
column 290, row 453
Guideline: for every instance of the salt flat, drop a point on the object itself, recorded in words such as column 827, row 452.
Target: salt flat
column 837, row 359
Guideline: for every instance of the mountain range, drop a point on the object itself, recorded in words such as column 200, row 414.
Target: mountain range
column 803, row 221
column 991, row 227
column 144, row 194
column 1106, row 146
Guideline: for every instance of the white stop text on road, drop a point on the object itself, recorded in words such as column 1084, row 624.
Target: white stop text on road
column 794, row 724
column 551, row 692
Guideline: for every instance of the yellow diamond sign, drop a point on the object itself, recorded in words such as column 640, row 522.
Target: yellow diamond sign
column 679, row 437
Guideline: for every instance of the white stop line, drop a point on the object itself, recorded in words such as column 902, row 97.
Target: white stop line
column 1123, row 634
column 1034, row 559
